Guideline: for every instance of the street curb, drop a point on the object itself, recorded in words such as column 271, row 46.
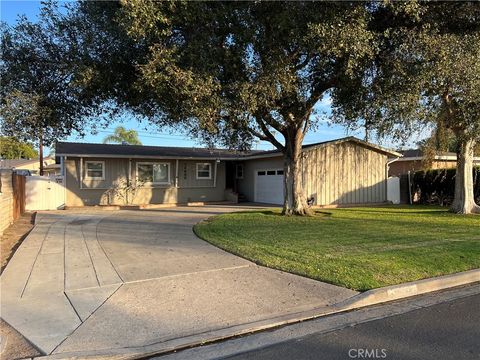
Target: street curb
column 396, row 292
column 368, row 298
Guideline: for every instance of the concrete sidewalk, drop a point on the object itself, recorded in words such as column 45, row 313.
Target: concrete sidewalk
column 92, row 280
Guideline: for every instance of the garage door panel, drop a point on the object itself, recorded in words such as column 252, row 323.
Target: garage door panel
column 269, row 186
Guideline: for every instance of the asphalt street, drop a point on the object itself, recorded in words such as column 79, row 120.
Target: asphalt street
column 449, row 330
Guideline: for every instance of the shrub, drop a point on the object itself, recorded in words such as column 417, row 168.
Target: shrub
column 438, row 186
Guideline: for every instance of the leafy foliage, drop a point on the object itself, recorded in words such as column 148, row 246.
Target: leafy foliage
column 40, row 94
column 426, row 71
column 123, row 190
column 443, row 140
column 228, row 72
column 11, row 148
column 122, row 135
column 438, row 186
column 243, row 70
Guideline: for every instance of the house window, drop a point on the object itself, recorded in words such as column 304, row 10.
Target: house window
column 271, row 172
column 204, row 171
column 95, row 170
column 153, row 173
column 239, row 171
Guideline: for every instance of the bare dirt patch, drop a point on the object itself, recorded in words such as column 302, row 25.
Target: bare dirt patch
column 13, row 236
column 13, row 345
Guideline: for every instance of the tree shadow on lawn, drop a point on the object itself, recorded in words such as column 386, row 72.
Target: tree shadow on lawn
column 380, row 210
column 317, row 214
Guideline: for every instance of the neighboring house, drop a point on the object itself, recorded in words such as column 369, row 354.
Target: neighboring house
column 53, row 169
column 343, row 171
column 412, row 161
column 29, row 165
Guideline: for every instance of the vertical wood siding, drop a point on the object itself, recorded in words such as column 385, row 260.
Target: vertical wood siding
column 345, row 173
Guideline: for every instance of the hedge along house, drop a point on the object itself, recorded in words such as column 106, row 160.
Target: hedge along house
column 339, row 172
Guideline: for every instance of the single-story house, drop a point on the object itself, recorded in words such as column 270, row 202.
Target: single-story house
column 412, row 161
column 343, row 171
column 31, row 166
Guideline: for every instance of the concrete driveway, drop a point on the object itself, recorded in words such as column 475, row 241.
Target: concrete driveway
column 117, row 282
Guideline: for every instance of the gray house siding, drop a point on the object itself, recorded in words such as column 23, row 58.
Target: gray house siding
column 187, row 188
column 246, row 186
column 337, row 172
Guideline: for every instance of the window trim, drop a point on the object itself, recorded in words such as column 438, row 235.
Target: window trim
column 209, row 171
column 237, row 166
column 168, row 182
column 94, row 177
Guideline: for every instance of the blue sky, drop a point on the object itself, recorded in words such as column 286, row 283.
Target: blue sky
column 151, row 135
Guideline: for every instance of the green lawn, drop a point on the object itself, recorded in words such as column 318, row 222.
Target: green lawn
column 358, row 248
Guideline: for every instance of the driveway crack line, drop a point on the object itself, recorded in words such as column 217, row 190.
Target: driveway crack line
column 36, row 258
column 65, row 252
column 188, row 273
column 89, row 255
column 88, row 317
column 101, row 247
column 73, row 307
column 65, row 258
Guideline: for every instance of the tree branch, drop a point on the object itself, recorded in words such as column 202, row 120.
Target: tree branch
column 269, row 119
column 268, row 136
column 318, row 91
column 257, row 134
column 306, row 125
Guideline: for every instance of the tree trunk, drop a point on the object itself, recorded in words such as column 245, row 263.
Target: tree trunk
column 295, row 202
column 464, row 200
column 40, row 155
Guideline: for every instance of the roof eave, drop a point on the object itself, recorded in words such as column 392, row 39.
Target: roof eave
column 123, row 156
column 364, row 143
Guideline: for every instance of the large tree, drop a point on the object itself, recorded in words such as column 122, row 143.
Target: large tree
column 41, row 100
column 229, row 71
column 425, row 74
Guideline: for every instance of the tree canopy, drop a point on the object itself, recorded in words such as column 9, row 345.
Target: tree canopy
column 426, row 73
column 122, row 135
column 40, row 95
column 11, row 148
column 42, row 98
column 229, row 71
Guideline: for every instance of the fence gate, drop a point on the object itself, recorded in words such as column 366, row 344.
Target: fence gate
column 393, row 189
column 44, row 193
column 18, row 187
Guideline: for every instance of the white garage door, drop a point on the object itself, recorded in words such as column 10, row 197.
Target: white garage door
column 269, row 186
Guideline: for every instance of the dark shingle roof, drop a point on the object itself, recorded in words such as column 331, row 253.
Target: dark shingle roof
column 419, row 153
column 139, row 151
column 87, row 149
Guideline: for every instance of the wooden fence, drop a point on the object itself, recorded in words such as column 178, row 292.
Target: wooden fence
column 18, row 182
column 12, row 197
